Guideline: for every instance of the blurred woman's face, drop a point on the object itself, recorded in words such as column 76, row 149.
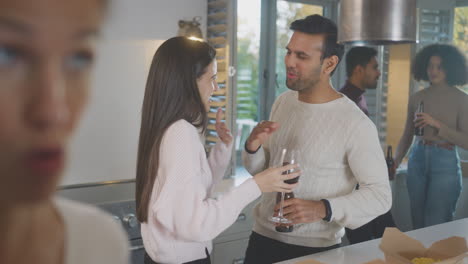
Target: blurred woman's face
column 435, row 72
column 46, row 54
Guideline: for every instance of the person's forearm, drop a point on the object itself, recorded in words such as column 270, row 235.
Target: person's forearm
column 219, row 158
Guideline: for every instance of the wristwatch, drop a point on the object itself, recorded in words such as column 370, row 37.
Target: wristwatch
column 328, row 211
column 248, row 151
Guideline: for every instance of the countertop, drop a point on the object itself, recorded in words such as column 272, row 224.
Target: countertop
column 369, row 250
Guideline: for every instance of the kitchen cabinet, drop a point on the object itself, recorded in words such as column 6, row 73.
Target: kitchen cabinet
column 229, row 247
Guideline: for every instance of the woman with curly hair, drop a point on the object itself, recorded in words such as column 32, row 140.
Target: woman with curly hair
column 434, row 174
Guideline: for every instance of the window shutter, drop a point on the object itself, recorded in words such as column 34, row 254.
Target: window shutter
column 217, row 37
column 377, row 99
column 434, row 26
column 221, row 29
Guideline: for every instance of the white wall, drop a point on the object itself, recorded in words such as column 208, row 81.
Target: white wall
column 104, row 147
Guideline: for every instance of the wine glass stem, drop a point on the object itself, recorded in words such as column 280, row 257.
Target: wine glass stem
column 281, row 205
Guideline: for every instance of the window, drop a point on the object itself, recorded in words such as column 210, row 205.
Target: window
column 460, row 39
column 247, row 93
column 460, row 31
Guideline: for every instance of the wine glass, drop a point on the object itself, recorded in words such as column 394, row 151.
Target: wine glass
column 287, row 157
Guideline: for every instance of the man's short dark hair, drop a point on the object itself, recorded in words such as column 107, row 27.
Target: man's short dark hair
column 316, row 24
column 453, row 63
column 358, row 56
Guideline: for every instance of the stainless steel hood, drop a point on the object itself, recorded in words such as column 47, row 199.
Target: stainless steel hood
column 377, row 22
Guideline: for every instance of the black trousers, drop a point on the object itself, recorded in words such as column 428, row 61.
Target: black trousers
column 206, row 260
column 264, row 250
column 372, row 230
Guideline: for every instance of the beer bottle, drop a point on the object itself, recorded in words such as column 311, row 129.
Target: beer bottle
column 419, row 131
column 390, row 162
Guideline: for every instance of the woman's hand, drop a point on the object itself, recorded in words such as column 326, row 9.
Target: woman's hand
column 272, row 179
column 424, row 119
column 223, row 132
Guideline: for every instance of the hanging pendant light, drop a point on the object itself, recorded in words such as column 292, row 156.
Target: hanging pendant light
column 377, row 22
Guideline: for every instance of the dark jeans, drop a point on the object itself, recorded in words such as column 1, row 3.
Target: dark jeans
column 264, row 250
column 372, row 230
column 206, row 260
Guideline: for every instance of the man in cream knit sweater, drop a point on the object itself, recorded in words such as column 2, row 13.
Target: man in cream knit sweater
column 338, row 148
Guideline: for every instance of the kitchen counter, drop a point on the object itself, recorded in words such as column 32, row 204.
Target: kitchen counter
column 369, row 250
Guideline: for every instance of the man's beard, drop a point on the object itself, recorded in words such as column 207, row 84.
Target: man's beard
column 300, row 85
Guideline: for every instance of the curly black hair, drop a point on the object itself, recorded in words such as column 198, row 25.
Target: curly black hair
column 453, row 63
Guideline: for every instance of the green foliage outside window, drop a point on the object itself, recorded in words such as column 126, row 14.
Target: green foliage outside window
column 460, row 32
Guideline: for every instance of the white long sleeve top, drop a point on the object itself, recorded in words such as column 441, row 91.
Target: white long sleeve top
column 182, row 218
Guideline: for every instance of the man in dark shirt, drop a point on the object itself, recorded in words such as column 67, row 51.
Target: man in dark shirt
column 363, row 73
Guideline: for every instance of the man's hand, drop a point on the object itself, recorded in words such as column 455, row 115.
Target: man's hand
column 223, row 132
column 260, row 134
column 301, row 211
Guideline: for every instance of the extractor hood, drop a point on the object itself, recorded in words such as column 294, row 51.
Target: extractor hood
column 377, row 22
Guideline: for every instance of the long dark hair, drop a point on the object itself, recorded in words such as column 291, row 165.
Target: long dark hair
column 171, row 94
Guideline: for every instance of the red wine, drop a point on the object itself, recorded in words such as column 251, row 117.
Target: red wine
column 284, row 228
column 290, row 181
